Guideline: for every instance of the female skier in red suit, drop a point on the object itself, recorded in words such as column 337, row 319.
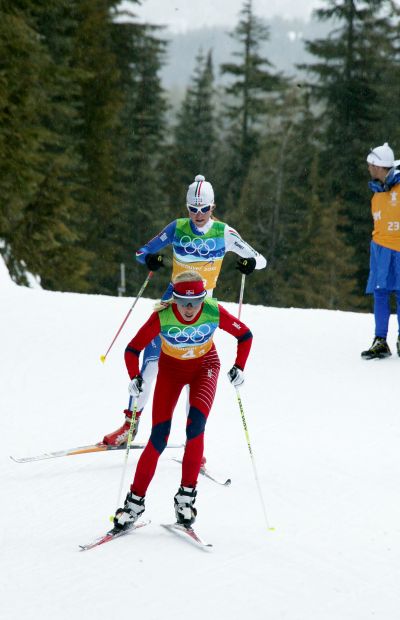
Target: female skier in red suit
column 188, row 357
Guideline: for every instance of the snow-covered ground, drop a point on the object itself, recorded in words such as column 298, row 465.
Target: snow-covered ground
column 325, row 431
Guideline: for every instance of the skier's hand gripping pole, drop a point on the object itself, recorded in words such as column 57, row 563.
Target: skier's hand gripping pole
column 140, row 293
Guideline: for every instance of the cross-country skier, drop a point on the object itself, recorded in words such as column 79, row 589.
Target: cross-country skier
column 384, row 275
column 188, row 357
column 199, row 243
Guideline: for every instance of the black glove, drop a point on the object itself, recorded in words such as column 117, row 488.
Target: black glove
column 246, row 265
column 154, row 261
column 235, row 376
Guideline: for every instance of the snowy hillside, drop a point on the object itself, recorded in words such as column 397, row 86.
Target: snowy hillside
column 325, row 431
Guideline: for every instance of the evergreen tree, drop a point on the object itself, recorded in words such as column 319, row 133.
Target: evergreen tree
column 46, row 228
column 195, row 132
column 81, row 140
column 100, row 120
column 194, row 149
column 249, row 96
column 40, row 218
column 320, row 272
column 22, row 99
column 387, row 78
column 281, row 213
column 142, row 184
column 347, row 86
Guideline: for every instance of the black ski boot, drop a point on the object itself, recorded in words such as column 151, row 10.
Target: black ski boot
column 128, row 515
column 378, row 350
column 183, row 501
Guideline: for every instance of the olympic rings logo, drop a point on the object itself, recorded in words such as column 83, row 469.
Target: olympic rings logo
column 202, row 246
column 190, row 333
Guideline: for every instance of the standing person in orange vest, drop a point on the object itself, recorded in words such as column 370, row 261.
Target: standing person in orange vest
column 384, row 275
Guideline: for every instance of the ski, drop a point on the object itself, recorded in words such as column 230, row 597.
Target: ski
column 112, row 534
column 98, row 447
column 188, row 534
column 204, row 471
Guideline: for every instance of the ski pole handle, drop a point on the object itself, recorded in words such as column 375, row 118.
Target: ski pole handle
column 242, row 283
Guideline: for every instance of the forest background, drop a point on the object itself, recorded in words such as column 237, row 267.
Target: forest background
column 96, row 154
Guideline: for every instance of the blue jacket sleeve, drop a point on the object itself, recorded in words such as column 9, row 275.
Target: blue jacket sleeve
column 168, row 293
column 164, row 238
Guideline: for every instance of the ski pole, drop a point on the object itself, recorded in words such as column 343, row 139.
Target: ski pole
column 241, row 294
column 128, row 446
column 140, row 293
column 246, row 432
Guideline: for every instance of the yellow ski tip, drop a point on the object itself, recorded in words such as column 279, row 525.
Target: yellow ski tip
column 102, row 358
column 271, row 529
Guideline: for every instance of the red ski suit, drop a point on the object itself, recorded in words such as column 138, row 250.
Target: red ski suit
column 201, row 374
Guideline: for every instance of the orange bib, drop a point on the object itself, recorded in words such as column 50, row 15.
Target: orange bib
column 385, row 208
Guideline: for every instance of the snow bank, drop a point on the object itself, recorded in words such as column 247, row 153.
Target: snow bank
column 325, row 433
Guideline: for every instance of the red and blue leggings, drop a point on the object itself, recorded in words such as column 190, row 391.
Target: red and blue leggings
column 201, row 375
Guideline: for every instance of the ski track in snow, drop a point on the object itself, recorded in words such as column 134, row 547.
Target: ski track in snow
column 325, row 431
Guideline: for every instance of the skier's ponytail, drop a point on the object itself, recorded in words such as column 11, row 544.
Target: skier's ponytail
column 161, row 305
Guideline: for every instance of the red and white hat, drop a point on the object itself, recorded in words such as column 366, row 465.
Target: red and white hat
column 200, row 193
column 189, row 292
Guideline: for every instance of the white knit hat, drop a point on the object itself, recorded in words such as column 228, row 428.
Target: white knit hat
column 382, row 156
column 200, row 193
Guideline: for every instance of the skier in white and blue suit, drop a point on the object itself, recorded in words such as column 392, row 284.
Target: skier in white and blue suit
column 199, row 243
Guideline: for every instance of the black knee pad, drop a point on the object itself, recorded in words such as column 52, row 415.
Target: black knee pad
column 196, row 423
column 159, row 435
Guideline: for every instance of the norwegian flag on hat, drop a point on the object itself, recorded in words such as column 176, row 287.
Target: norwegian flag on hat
column 189, row 289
